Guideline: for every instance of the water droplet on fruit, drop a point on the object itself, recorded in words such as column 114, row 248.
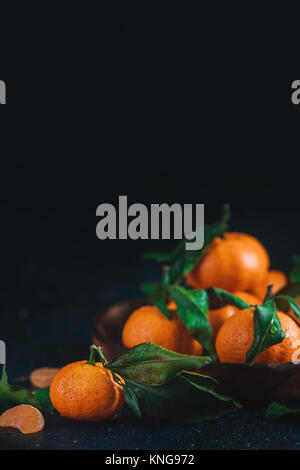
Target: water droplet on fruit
column 273, row 329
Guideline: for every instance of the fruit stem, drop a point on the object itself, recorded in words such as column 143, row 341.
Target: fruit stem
column 269, row 295
column 92, row 356
column 97, row 349
column 101, row 355
column 226, row 214
column 225, row 219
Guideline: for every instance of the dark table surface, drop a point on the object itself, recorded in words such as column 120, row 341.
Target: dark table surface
column 244, row 430
column 37, row 339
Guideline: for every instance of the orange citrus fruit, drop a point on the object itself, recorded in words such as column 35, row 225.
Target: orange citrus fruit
column 43, row 376
column 277, row 279
column 86, row 392
column 194, row 347
column 26, row 418
column 148, row 324
column 187, row 344
column 235, row 262
column 218, row 316
column 236, row 335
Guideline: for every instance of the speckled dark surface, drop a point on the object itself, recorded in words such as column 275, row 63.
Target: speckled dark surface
column 63, row 336
column 244, row 430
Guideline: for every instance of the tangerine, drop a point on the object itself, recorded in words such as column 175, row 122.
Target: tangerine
column 236, row 336
column 235, row 262
column 277, row 279
column 86, row 392
column 218, row 316
column 148, row 324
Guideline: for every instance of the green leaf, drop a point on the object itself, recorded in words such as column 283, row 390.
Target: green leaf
column 182, row 261
column 267, row 330
column 44, row 398
column 156, row 293
column 176, row 269
column 187, row 398
column 150, row 364
column 157, row 256
column 16, row 393
column 192, row 308
column 295, row 271
column 200, row 380
column 288, row 305
column 192, row 257
column 276, row 410
column 132, row 400
column 218, row 298
column 186, row 260
column 161, row 257
column 206, row 384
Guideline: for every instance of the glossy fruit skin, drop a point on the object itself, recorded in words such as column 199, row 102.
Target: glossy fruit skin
column 277, row 279
column 218, row 316
column 236, row 337
column 26, row 418
column 236, row 262
column 86, row 392
column 148, row 324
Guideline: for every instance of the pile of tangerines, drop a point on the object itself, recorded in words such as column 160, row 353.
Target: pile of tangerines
column 235, row 262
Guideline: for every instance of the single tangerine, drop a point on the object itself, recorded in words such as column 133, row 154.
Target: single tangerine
column 86, row 392
column 25, row 418
column 235, row 262
column 218, row 316
column 236, row 336
column 148, row 324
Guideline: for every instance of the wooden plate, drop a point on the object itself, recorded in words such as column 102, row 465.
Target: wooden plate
column 252, row 385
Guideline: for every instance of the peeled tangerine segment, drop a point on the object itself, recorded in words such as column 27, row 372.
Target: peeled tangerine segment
column 26, row 418
column 43, row 377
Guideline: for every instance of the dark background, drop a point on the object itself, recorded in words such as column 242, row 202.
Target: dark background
column 161, row 104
